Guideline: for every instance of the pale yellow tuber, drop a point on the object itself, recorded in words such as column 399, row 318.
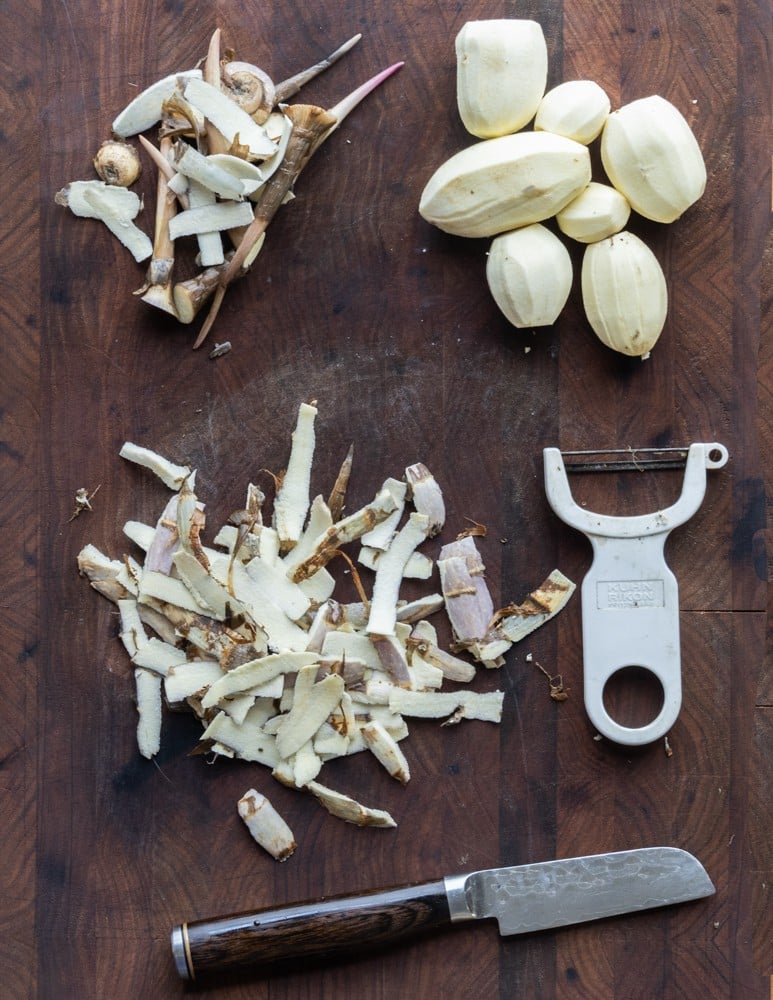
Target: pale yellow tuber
column 651, row 155
column 529, row 274
column 501, row 72
column 502, row 184
column 576, row 109
column 596, row 213
column 624, row 293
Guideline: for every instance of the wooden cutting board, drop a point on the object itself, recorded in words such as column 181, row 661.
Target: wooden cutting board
column 356, row 302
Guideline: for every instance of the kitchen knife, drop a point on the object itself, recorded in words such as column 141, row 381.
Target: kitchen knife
column 522, row 898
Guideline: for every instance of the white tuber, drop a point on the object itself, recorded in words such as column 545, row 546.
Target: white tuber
column 146, row 109
column 466, row 195
column 501, row 72
column 170, row 474
column 385, row 749
column 651, row 155
column 349, row 809
column 596, row 213
column 529, row 275
column 210, row 218
column 389, row 574
column 266, row 826
column 624, row 293
column 195, row 166
column 228, row 118
column 148, row 687
column 117, row 207
column 576, row 109
column 292, row 499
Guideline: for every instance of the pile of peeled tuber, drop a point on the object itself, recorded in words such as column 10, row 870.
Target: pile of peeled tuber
column 510, row 182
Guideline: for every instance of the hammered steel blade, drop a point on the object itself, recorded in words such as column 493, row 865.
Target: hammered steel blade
column 556, row 893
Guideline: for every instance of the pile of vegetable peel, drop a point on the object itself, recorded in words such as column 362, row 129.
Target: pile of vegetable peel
column 247, row 633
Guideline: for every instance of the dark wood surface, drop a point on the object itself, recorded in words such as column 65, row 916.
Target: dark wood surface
column 356, row 302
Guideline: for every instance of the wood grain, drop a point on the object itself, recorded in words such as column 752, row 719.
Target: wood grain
column 387, row 322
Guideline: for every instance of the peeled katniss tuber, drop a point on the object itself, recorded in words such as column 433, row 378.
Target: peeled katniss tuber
column 596, row 213
column 624, row 293
column 650, row 154
column 529, row 274
column 501, row 184
column 501, row 72
column 576, row 109
column 510, row 183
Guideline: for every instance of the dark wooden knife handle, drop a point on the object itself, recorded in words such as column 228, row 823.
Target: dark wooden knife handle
column 335, row 926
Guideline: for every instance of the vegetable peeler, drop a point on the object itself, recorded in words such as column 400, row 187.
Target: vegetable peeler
column 630, row 600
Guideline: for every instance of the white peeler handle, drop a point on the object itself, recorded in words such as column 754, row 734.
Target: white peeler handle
column 630, row 599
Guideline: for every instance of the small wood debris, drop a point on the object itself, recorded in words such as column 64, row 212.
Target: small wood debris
column 557, row 690
column 476, row 530
column 83, row 500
